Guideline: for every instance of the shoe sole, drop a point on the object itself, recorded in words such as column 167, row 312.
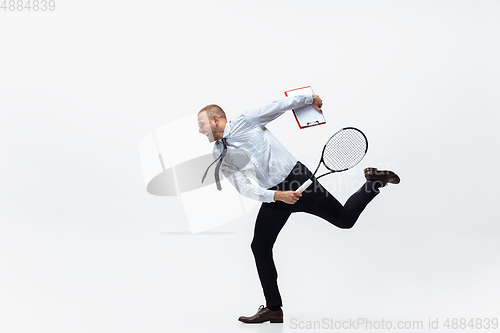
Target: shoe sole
column 276, row 321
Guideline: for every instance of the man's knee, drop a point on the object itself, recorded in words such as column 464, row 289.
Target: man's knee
column 259, row 247
column 347, row 225
column 344, row 222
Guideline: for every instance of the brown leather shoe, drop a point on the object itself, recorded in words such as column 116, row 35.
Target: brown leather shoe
column 263, row 315
column 385, row 176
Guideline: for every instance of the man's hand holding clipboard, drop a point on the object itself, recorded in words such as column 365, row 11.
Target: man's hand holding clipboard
column 309, row 115
column 317, row 103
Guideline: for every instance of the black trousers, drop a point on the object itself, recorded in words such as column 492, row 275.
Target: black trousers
column 315, row 200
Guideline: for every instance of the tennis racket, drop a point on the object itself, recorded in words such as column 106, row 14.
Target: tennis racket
column 343, row 150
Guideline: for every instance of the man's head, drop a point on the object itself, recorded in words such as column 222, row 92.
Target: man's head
column 212, row 122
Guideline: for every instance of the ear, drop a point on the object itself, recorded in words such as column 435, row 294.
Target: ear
column 216, row 119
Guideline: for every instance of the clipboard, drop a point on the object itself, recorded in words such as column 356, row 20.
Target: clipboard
column 306, row 116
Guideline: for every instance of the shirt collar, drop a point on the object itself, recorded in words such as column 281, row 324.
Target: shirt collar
column 227, row 129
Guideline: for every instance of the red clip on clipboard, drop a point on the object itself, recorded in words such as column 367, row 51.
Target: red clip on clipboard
column 306, row 116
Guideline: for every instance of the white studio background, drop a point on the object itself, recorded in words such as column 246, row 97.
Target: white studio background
column 84, row 247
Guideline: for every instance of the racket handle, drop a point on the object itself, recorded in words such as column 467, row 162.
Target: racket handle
column 304, row 186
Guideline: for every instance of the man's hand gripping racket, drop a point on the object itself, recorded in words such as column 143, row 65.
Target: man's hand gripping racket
column 343, row 151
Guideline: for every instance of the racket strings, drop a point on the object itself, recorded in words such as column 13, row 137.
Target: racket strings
column 345, row 149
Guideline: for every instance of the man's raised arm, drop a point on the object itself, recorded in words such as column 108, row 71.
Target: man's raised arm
column 263, row 115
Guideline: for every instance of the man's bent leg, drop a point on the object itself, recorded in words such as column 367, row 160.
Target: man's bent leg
column 270, row 220
column 322, row 204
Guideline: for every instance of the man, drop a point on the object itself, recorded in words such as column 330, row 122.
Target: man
column 272, row 175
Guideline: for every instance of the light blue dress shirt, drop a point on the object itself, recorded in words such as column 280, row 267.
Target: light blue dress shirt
column 269, row 162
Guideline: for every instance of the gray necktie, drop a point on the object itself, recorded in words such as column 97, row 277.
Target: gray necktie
column 217, row 167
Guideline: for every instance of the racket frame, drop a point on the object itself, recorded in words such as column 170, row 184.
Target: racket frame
column 308, row 182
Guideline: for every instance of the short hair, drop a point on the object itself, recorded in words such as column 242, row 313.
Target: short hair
column 212, row 110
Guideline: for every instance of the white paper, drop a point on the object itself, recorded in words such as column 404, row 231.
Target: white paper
column 306, row 115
